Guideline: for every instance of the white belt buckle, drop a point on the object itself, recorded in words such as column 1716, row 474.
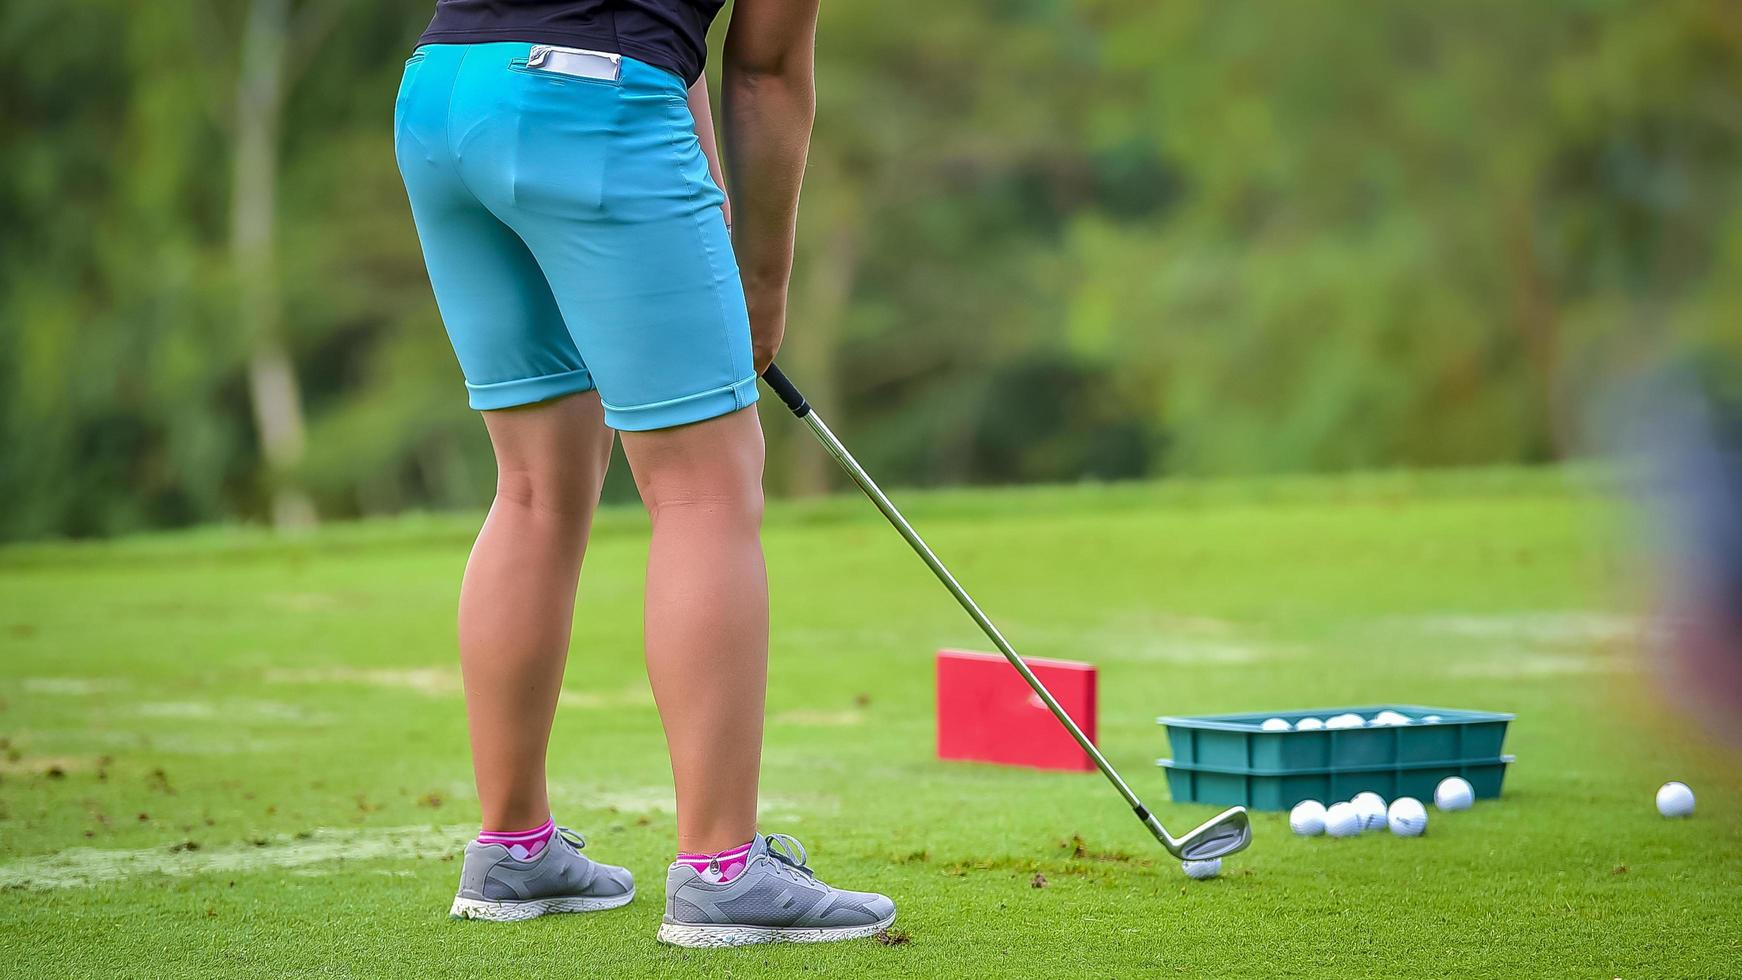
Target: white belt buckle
column 575, row 62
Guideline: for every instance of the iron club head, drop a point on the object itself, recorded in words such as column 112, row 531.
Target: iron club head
column 1221, row 835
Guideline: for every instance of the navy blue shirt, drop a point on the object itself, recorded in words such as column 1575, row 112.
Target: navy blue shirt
column 669, row 34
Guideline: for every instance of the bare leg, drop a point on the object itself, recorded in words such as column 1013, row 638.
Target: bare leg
column 518, row 598
column 707, row 617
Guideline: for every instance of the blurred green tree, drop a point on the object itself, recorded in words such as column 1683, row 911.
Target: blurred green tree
column 1041, row 240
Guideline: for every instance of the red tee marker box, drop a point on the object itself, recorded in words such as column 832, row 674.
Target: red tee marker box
column 987, row 713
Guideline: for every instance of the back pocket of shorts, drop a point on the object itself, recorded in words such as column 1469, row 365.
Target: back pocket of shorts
column 563, row 130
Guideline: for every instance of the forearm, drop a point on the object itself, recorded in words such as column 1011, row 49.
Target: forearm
column 767, row 121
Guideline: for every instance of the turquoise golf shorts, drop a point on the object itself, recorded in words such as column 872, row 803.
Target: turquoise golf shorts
column 573, row 235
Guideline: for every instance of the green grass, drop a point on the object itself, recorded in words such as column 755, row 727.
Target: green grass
column 191, row 718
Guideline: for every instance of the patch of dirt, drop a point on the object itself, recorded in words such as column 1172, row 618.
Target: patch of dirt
column 52, row 766
column 1080, row 851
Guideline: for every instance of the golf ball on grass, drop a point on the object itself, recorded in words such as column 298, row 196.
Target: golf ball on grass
column 1307, row 818
column 1454, row 793
column 1202, row 869
column 1675, row 800
column 1370, row 807
column 1342, row 820
column 1407, row 817
column 1276, row 725
column 1309, row 725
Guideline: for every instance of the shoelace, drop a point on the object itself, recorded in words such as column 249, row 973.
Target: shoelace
column 571, row 838
column 786, row 849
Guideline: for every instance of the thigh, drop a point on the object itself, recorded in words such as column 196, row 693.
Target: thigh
column 500, row 314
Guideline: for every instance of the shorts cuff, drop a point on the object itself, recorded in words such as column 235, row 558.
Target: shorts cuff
column 682, row 411
column 527, row 391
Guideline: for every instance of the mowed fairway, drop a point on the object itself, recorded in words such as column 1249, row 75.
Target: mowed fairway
column 232, row 755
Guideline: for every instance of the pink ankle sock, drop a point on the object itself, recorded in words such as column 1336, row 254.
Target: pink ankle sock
column 719, row 868
column 522, row 844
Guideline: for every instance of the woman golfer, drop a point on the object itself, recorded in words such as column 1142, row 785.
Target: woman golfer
column 560, row 162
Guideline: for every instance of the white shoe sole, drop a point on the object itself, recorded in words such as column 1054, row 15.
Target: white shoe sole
column 721, row 936
column 472, row 908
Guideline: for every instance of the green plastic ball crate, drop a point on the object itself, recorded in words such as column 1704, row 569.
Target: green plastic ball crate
column 1229, row 759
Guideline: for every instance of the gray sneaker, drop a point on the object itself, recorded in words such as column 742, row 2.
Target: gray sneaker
column 775, row 899
column 496, row 887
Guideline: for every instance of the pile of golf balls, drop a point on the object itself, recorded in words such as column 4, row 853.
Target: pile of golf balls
column 1405, row 816
column 1202, row 869
column 1348, row 719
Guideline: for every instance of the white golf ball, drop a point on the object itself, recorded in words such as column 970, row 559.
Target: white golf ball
column 1344, row 721
column 1309, row 725
column 1389, row 717
column 1431, row 719
column 1370, row 807
column 1307, row 818
column 1407, row 817
column 1342, row 820
column 1202, row 869
column 1276, row 725
column 1454, row 793
column 1675, row 800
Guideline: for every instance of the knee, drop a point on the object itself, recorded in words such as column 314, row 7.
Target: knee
column 561, row 493
column 728, row 489
column 711, row 471
column 738, row 503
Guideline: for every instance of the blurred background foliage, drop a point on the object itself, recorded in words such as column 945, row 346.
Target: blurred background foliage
column 1041, row 240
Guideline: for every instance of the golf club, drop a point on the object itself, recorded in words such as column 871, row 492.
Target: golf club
column 1226, row 833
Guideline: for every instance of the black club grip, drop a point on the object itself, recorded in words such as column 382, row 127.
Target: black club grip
column 788, row 393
